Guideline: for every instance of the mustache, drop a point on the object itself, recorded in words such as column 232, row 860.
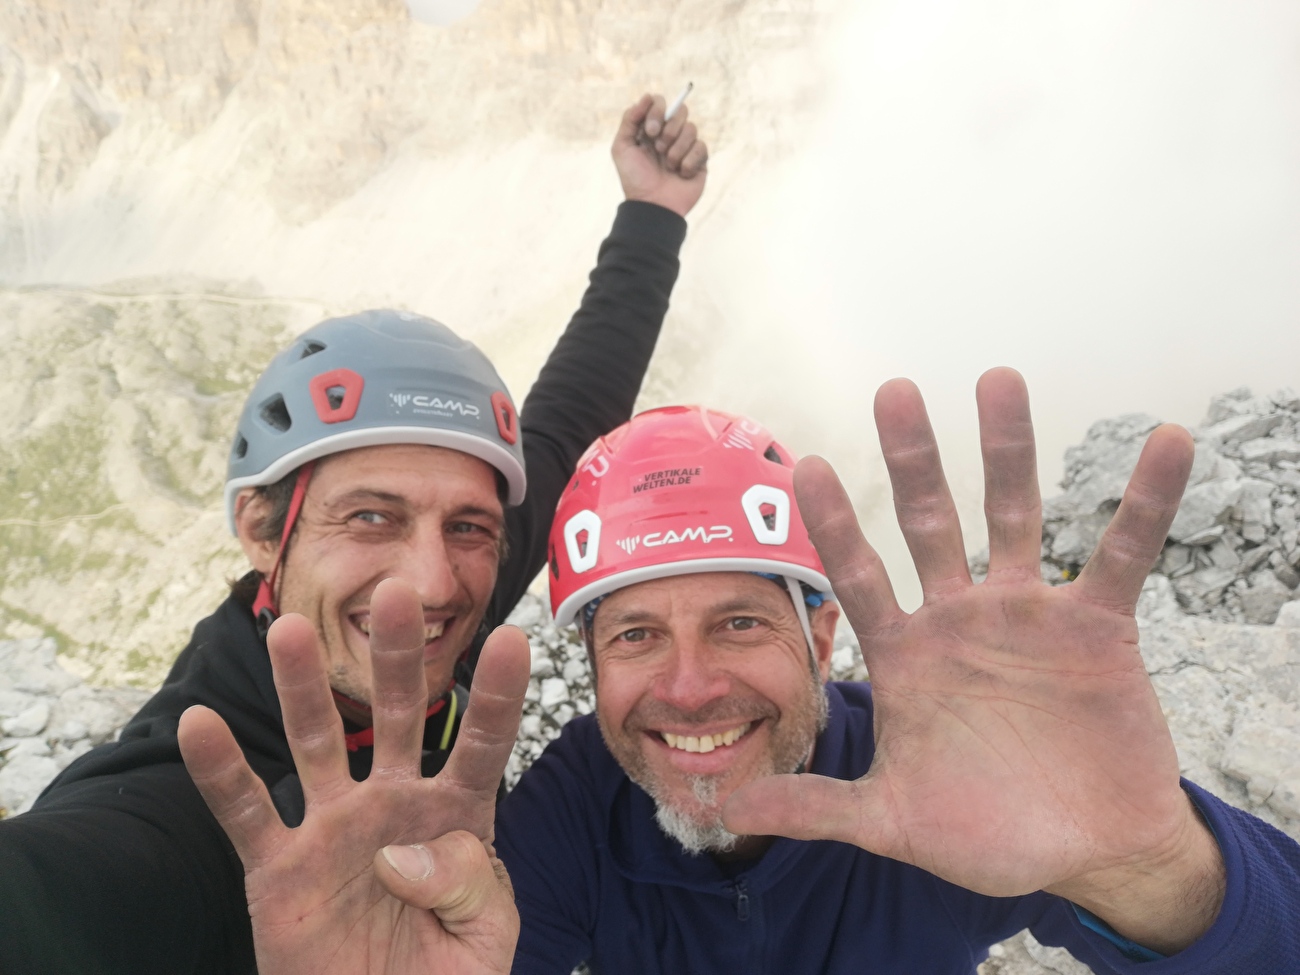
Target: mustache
column 649, row 714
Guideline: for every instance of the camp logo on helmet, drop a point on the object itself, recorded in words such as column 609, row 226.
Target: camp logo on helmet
column 736, row 436
column 715, row 533
column 428, row 404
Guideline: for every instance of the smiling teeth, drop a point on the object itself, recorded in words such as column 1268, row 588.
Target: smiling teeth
column 704, row 743
column 431, row 630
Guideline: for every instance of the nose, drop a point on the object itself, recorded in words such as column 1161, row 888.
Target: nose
column 429, row 569
column 691, row 677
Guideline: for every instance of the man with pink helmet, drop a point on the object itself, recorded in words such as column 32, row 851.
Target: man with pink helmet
column 681, row 518
column 1008, row 767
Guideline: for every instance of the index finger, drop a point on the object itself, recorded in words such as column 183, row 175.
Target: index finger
column 491, row 723
column 1135, row 536
column 857, row 574
column 312, row 725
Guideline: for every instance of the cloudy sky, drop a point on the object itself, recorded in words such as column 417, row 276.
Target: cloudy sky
column 1105, row 195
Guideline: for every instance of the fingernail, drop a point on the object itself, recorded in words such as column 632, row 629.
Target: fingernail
column 652, row 127
column 412, row 862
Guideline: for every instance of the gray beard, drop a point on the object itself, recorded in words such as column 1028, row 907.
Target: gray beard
column 694, row 835
column 703, row 832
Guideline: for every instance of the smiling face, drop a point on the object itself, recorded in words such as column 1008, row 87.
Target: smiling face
column 428, row 515
column 704, row 684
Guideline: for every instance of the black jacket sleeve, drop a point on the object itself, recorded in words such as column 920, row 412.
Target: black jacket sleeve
column 590, row 381
column 122, row 875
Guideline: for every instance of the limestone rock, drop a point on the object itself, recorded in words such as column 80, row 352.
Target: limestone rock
column 1289, row 614
column 1204, row 506
column 55, row 719
column 30, row 722
column 22, row 779
column 1264, row 753
column 1233, row 551
column 554, row 692
column 1269, row 450
column 1265, row 597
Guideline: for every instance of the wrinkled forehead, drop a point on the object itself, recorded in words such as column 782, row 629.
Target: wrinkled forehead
column 686, row 599
column 409, row 469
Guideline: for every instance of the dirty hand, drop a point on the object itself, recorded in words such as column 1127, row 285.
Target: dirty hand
column 394, row 874
column 657, row 161
column 1019, row 742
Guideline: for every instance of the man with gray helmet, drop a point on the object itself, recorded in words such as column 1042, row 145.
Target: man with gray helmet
column 376, row 445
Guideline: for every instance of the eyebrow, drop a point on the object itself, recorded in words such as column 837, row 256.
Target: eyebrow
column 361, row 495
column 628, row 617
column 364, row 495
column 636, row 617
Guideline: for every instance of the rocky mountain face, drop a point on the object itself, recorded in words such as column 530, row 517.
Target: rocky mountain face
column 112, row 454
column 1233, row 553
column 299, row 142
column 49, row 718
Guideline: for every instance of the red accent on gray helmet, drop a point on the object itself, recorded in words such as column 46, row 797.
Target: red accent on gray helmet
column 336, row 395
column 507, row 421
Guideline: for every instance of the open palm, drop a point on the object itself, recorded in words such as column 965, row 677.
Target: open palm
column 323, row 897
column 1019, row 743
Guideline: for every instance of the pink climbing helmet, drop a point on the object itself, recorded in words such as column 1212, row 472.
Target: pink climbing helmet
column 675, row 491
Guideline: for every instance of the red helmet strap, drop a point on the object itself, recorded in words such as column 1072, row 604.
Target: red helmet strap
column 264, row 606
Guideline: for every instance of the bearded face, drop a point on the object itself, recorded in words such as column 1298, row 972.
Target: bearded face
column 704, row 683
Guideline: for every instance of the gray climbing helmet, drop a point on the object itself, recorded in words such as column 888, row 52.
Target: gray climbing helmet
column 376, row 377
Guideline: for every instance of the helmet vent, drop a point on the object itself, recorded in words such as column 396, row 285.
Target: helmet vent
column 275, row 414
column 768, row 512
column 240, row 450
column 772, row 455
column 335, row 396
column 311, row 347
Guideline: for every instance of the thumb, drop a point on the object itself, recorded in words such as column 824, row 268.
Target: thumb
column 810, row 807
column 454, row 877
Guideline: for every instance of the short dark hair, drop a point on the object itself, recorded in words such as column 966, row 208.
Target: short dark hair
column 278, row 497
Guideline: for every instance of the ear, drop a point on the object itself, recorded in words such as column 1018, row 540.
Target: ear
column 823, row 622
column 251, row 511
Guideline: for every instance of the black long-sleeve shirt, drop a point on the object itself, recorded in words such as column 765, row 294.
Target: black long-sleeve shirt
column 120, row 867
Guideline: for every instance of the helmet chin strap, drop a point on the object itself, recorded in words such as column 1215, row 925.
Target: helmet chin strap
column 801, row 610
column 265, row 609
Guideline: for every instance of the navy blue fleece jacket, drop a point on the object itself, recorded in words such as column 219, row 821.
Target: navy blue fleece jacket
column 597, row 881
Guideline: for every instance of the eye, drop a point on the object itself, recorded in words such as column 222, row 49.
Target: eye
column 469, row 528
column 634, row 636
column 370, row 517
column 742, row 623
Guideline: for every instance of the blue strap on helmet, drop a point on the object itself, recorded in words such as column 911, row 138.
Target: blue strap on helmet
column 811, row 597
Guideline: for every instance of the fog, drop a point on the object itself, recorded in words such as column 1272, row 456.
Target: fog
column 1104, row 195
